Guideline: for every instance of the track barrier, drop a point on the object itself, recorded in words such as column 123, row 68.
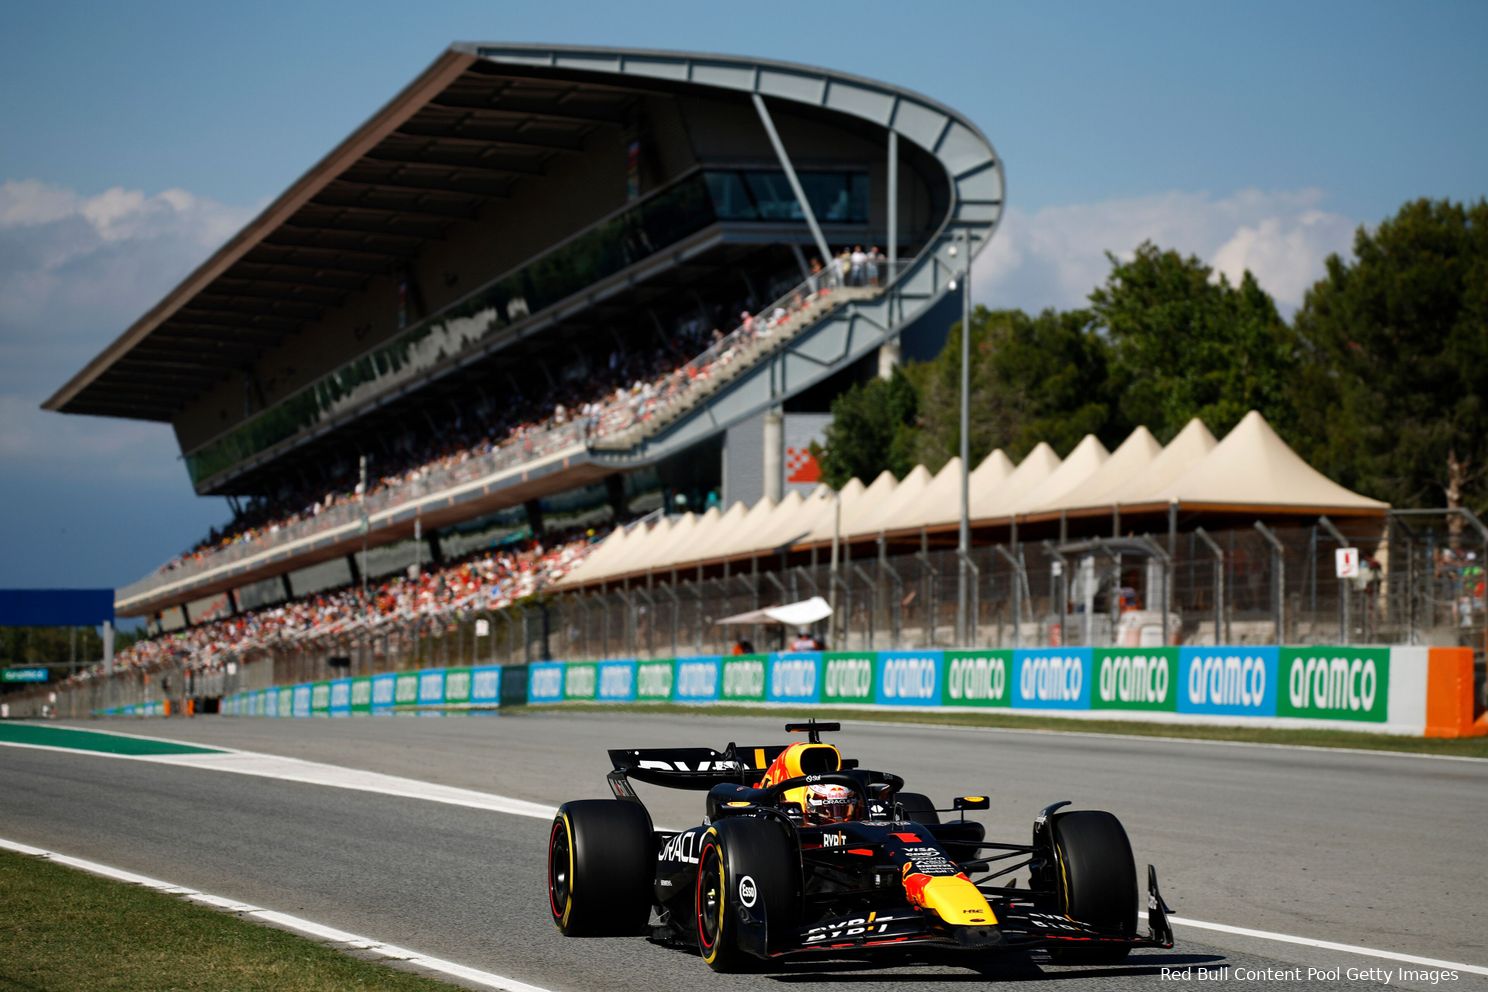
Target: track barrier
column 1401, row 690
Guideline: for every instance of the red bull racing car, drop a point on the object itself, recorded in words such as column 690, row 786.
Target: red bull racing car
column 804, row 852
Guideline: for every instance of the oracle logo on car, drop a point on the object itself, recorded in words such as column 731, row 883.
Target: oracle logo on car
column 1233, row 681
column 1053, row 678
column 976, row 678
column 909, row 677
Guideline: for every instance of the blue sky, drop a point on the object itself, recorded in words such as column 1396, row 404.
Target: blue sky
column 138, row 136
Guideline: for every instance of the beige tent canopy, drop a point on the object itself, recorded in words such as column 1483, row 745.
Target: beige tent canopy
column 1251, row 471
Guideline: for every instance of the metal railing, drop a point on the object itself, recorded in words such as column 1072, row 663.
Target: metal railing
column 1421, row 582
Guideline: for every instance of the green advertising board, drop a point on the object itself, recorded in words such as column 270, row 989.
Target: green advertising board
column 744, row 678
column 580, row 679
column 847, row 677
column 286, row 701
column 654, row 680
column 1334, row 683
column 405, row 689
column 1135, row 679
column 457, row 685
column 320, row 697
column 976, row 678
column 361, row 694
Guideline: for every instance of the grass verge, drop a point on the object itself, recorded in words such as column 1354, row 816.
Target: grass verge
column 1467, row 747
column 62, row 929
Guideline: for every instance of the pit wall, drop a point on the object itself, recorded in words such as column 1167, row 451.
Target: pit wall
column 1401, row 690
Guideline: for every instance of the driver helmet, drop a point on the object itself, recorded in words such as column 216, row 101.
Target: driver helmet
column 829, row 803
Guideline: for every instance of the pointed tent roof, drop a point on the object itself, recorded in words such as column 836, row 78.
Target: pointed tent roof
column 743, row 536
column 868, row 503
column 605, row 560
column 993, row 471
column 909, row 489
column 1187, row 449
column 1253, row 466
column 1084, row 461
column 940, row 503
column 1129, row 460
column 789, row 520
column 825, row 524
column 657, row 551
column 990, row 504
column 713, row 533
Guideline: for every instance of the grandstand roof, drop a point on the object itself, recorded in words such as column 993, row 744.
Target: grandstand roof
column 456, row 140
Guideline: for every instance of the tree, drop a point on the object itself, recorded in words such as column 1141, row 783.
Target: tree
column 1185, row 343
column 1033, row 379
column 872, row 429
column 1394, row 371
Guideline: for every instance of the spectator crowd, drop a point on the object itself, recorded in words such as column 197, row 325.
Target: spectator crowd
column 489, row 580
column 597, row 398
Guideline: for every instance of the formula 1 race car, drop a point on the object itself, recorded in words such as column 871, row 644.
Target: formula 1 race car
column 804, row 852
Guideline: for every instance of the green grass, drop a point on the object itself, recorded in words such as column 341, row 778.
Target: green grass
column 1469, row 747
column 63, row 930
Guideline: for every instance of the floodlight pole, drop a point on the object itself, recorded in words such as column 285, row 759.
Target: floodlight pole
column 963, row 545
column 362, row 495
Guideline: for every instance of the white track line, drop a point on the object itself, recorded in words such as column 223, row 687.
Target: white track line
column 332, row 776
column 1327, row 945
column 338, row 939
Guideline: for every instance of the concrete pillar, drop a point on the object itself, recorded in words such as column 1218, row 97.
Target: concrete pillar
column 774, row 469
column 889, row 356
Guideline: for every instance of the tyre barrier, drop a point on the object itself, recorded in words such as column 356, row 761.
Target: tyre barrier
column 1400, row 690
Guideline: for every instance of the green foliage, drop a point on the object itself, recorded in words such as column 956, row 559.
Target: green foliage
column 1382, row 383
column 1186, row 344
column 1393, row 386
column 872, row 429
column 1033, row 379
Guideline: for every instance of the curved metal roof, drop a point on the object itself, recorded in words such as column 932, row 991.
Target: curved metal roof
column 481, row 117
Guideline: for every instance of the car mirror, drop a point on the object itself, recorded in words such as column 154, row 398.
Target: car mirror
column 971, row 802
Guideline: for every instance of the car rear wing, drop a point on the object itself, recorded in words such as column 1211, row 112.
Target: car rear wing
column 698, row 768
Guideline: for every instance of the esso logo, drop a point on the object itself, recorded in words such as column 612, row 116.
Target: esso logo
column 748, row 894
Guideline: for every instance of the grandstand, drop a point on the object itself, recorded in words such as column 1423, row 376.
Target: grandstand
column 543, row 291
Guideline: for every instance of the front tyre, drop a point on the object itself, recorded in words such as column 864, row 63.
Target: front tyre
column 744, row 865
column 601, row 860
column 1096, row 879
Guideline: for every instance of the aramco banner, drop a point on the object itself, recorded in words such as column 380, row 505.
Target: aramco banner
column 1364, row 687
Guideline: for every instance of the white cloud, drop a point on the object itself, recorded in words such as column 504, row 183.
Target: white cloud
column 75, row 271
column 1056, row 255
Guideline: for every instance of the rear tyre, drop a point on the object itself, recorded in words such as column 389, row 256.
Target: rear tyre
column 746, row 863
column 918, row 807
column 1096, row 879
column 601, row 861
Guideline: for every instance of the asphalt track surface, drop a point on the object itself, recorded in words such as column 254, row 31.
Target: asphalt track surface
column 1377, row 850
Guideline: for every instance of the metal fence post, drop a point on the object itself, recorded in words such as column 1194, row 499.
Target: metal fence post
column 1220, row 636
column 1017, row 563
column 974, row 599
column 1278, row 577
